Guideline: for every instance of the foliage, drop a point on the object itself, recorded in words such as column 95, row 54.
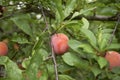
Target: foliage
column 30, row 24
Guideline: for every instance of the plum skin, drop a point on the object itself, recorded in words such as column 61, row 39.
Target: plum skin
column 3, row 49
column 59, row 43
column 113, row 58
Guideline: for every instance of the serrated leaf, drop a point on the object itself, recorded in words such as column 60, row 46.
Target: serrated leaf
column 90, row 35
column 102, row 62
column 11, row 69
column 85, row 23
column 22, row 21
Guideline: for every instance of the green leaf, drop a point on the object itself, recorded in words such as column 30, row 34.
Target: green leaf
column 108, row 30
column 61, row 12
column 74, row 44
column 35, row 62
column 73, row 60
column 70, row 59
column 103, row 37
column 50, row 68
column 22, row 21
column 116, row 78
column 90, row 1
column 82, row 64
column 75, row 15
column 11, row 69
column 102, row 62
column 58, row 10
column 96, row 71
column 65, row 77
column 87, row 48
column 71, row 23
column 85, row 23
column 108, row 11
column 64, row 68
column 103, row 44
column 90, row 35
column 114, row 46
column 26, row 62
column 82, row 12
column 44, row 75
column 116, row 70
column 20, row 40
column 69, row 7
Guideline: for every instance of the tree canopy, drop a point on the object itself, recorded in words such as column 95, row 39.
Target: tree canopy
column 92, row 26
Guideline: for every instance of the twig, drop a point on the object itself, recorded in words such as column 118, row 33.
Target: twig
column 2, row 71
column 47, row 58
column 46, row 28
column 12, row 58
column 53, row 54
column 8, row 16
column 55, row 64
column 113, row 33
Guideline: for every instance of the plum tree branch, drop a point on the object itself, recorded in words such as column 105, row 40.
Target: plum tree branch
column 55, row 64
column 51, row 14
column 115, row 28
column 53, row 54
column 99, row 18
